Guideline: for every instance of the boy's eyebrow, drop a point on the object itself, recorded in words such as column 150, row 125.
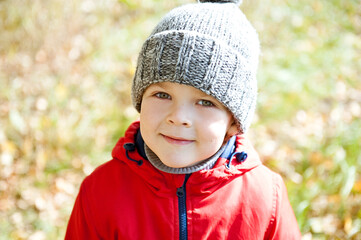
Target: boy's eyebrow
column 165, row 86
column 203, row 94
column 155, row 87
column 159, row 84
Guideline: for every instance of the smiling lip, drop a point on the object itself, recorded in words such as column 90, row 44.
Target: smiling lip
column 177, row 140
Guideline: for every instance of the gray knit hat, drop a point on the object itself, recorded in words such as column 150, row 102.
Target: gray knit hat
column 209, row 45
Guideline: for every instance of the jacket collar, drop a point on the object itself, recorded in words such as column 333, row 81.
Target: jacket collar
column 162, row 180
column 139, row 143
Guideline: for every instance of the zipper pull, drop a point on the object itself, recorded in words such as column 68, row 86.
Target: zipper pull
column 180, row 191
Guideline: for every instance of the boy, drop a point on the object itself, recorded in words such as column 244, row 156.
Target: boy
column 186, row 170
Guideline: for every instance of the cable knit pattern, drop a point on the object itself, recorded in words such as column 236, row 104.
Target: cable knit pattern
column 210, row 46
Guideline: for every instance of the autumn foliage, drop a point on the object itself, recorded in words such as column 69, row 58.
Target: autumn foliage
column 65, row 74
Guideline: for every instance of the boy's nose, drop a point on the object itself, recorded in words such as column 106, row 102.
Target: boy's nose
column 179, row 116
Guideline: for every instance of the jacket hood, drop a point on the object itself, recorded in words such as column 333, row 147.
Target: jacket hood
column 204, row 180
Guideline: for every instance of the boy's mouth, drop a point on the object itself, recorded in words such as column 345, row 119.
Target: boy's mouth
column 176, row 140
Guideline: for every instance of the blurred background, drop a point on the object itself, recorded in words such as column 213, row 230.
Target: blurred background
column 65, row 73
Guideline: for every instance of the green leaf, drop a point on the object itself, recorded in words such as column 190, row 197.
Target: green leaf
column 17, row 121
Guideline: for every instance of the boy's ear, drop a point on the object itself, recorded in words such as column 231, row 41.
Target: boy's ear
column 232, row 130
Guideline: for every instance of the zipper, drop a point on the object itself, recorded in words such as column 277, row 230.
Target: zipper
column 182, row 209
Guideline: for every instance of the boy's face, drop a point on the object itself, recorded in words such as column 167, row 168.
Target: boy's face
column 182, row 125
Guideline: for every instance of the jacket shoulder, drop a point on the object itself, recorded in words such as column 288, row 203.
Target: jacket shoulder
column 106, row 175
column 262, row 180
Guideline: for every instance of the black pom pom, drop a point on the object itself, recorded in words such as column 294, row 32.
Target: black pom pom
column 241, row 157
column 237, row 2
column 129, row 147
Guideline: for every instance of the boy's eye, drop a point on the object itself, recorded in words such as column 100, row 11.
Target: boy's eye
column 205, row 103
column 162, row 95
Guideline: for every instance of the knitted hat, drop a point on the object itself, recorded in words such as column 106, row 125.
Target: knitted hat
column 209, row 45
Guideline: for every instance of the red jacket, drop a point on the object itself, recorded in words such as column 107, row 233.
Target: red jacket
column 124, row 199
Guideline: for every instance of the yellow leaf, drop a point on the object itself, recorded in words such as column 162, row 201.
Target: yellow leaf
column 348, row 224
column 357, row 186
column 60, row 92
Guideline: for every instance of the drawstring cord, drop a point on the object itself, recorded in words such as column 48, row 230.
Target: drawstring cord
column 240, row 156
column 130, row 147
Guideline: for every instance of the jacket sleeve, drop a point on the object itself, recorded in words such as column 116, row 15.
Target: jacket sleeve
column 283, row 224
column 81, row 225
